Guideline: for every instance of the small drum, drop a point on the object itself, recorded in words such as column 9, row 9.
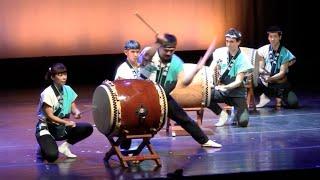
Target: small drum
column 198, row 93
column 132, row 106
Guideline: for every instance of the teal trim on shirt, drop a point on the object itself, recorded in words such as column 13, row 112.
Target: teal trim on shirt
column 176, row 66
column 284, row 57
column 69, row 97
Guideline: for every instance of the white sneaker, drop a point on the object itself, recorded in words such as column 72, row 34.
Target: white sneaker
column 264, row 100
column 222, row 119
column 212, row 144
column 64, row 149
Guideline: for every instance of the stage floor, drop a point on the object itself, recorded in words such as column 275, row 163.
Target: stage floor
column 275, row 140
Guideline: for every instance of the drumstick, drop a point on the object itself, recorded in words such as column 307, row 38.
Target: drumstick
column 90, row 106
column 265, row 71
column 89, row 109
column 202, row 61
column 145, row 22
column 206, row 56
column 208, row 52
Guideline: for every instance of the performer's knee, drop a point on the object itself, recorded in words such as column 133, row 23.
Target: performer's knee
column 85, row 129
column 89, row 129
column 51, row 156
column 244, row 119
column 292, row 100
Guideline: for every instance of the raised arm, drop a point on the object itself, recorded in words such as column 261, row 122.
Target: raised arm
column 202, row 61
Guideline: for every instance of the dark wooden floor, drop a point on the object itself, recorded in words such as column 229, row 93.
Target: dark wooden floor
column 277, row 142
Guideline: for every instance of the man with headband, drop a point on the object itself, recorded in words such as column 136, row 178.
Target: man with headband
column 161, row 65
column 232, row 65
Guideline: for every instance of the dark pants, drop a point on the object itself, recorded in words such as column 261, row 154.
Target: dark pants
column 177, row 114
column 239, row 104
column 49, row 147
column 278, row 90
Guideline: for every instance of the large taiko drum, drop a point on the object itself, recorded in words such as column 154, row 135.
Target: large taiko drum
column 198, row 93
column 132, row 106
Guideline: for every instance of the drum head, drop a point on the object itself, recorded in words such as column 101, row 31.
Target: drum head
column 255, row 74
column 129, row 106
column 103, row 109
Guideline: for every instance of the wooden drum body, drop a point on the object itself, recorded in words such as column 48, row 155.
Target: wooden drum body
column 198, row 93
column 132, row 106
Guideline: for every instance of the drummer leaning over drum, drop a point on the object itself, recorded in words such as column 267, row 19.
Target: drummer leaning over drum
column 161, row 65
column 232, row 65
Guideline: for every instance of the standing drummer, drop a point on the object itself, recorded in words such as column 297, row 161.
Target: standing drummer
column 161, row 65
column 233, row 66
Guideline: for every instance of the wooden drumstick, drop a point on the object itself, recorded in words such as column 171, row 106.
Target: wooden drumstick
column 145, row 22
column 208, row 52
column 89, row 109
column 89, row 106
column 188, row 78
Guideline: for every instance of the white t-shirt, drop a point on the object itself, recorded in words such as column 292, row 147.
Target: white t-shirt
column 124, row 71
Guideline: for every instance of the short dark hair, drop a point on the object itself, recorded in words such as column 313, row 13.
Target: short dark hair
column 169, row 41
column 234, row 34
column 132, row 44
column 274, row 29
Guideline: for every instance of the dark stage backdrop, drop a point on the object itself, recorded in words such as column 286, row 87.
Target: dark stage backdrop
column 88, row 35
